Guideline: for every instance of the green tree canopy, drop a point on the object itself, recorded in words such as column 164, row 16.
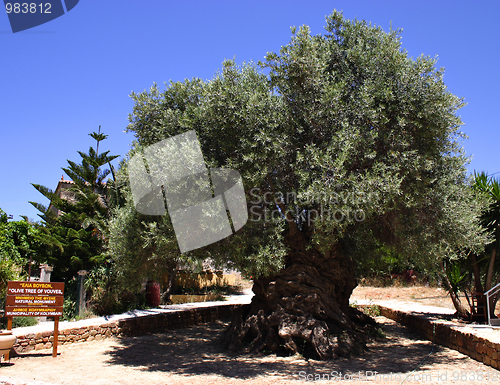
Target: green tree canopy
column 21, row 243
column 344, row 143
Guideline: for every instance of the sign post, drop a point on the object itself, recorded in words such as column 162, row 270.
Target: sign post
column 35, row 299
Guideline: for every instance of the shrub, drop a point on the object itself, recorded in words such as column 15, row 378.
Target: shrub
column 19, row 322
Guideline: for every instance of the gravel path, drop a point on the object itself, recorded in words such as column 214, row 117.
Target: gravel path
column 194, row 356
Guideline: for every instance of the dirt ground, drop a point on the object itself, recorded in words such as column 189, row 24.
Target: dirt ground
column 423, row 295
column 194, row 356
column 431, row 296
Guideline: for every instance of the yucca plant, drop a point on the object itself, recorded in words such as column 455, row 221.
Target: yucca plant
column 486, row 268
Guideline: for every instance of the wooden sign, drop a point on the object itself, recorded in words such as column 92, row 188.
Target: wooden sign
column 35, row 299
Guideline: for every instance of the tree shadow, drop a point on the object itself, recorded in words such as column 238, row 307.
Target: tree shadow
column 32, row 353
column 197, row 350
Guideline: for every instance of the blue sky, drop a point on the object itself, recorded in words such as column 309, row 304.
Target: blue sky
column 61, row 80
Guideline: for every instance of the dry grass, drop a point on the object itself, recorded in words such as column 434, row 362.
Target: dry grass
column 431, row 296
column 423, row 295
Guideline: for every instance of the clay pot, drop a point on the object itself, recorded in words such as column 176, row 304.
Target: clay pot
column 7, row 340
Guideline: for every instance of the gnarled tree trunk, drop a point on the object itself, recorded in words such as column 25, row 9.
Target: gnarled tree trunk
column 303, row 309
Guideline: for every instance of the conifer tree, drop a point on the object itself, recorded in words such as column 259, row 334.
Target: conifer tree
column 80, row 228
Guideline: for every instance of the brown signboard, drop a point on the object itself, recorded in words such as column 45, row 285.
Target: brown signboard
column 33, row 311
column 34, row 299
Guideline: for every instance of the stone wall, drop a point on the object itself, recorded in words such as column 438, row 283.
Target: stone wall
column 127, row 326
column 44, row 340
column 447, row 334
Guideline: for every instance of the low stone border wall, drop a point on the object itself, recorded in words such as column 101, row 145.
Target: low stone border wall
column 127, row 326
column 449, row 335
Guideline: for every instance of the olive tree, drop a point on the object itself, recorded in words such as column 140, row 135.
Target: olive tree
column 343, row 142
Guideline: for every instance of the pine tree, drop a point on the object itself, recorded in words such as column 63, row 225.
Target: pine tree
column 81, row 227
